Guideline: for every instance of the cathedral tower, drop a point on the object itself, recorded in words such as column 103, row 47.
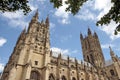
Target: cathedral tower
column 116, row 62
column 31, row 53
column 32, row 59
column 92, row 51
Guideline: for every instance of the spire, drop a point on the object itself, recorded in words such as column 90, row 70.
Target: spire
column 89, row 31
column 23, row 33
column 95, row 34
column 36, row 14
column 35, row 17
column 111, row 52
column 47, row 20
column 114, row 58
column 81, row 36
column 24, row 30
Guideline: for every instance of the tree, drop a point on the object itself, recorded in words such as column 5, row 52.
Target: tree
column 75, row 5
column 14, row 5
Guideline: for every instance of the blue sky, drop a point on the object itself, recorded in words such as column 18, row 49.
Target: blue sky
column 65, row 28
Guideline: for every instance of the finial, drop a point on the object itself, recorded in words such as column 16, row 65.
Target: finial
column 35, row 17
column 89, row 31
column 110, row 48
column 23, row 31
column 95, row 34
column 114, row 58
column 36, row 14
column 111, row 52
column 81, row 36
column 47, row 20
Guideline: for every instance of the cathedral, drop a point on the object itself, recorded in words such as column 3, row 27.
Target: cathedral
column 32, row 58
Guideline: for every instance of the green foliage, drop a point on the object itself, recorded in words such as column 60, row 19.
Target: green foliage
column 57, row 3
column 113, row 14
column 75, row 5
column 14, row 5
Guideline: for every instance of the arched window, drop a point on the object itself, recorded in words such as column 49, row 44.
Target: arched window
column 51, row 77
column 73, row 78
column 112, row 72
column 34, row 75
column 92, row 58
column 63, row 78
column 88, row 59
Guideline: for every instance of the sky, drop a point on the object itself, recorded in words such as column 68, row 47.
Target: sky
column 65, row 28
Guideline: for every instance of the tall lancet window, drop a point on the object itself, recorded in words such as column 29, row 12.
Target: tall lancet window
column 63, row 78
column 51, row 77
column 35, row 75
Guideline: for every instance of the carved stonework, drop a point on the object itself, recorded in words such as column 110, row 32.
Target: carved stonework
column 33, row 60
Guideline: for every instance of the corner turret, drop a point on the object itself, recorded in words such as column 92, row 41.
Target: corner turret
column 81, row 36
column 35, row 17
column 89, row 31
column 47, row 20
column 113, row 56
column 95, row 35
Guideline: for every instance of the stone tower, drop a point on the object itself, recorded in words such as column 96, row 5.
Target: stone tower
column 31, row 53
column 92, row 51
column 116, row 62
column 32, row 59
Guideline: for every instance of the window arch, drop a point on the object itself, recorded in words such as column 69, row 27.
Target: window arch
column 72, row 66
column 63, row 78
column 51, row 77
column 73, row 78
column 92, row 58
column 35, row 75
column 112, row 72
column 88, row 58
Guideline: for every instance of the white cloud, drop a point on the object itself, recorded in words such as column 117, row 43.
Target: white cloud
column 85, row 14
column 17, row 19
column 52, row 25
column 1, row 67
column 103, row 7
column 100, row 5
column 109, row 30
column 63, row 51
column 62, row 14
column 65, row 38
column 2, row 41
column 106, row 46
column 13, row 15
column 86, row 11
column 59, row 50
